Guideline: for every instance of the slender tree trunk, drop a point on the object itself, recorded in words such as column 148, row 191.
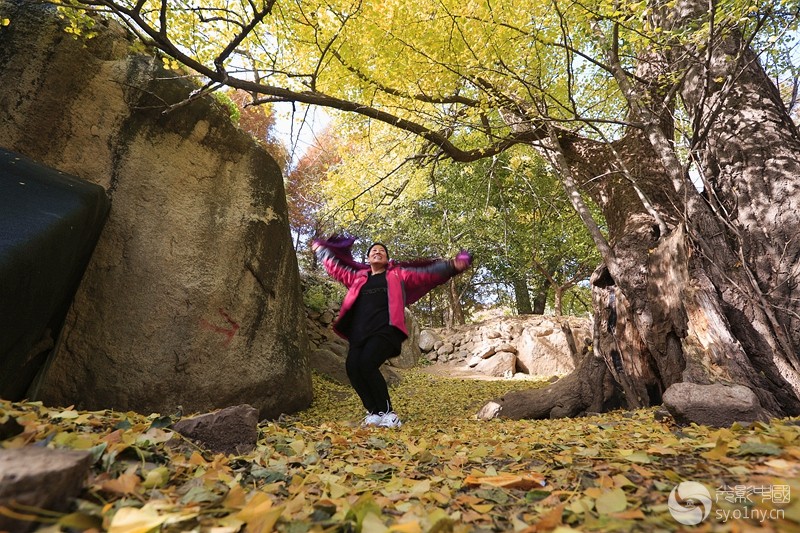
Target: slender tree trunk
column 558, row 306
column 457, row 312
column 540, row 302
column 540, row 291
column 522, row 296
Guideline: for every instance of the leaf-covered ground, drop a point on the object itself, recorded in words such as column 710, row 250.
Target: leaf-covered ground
column 442, row 471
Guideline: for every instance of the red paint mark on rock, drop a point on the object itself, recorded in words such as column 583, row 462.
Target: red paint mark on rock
column 228, row 331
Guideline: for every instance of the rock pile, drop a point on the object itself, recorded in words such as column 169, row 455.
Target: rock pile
column 533, row 345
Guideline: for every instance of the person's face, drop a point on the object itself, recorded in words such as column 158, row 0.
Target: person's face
column 377, row 256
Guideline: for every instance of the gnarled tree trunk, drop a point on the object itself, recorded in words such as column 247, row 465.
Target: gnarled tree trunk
column 715, row 298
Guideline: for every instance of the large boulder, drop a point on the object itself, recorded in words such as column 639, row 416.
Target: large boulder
column 192, row 296
column 500, row 365
column 542, row 350
column 330, row 364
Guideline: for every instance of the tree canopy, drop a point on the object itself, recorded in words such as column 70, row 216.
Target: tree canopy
column 436, row 68
column 500, row 73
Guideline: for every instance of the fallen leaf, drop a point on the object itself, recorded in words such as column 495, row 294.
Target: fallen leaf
column 612, row 501
column 515, row 481
column 132, row 520
column 482, row 508
column 125, row 484
column 632, row 514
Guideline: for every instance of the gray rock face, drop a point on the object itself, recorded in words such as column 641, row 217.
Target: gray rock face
column 41, row 478
column 501, row 364
column 717, row 405
column 232, row 430
column 192, row 296
column 330, row 363
column 410, row 353
column 543, row 352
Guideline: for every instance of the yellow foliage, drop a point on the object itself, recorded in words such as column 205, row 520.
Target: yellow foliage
column 443, row 470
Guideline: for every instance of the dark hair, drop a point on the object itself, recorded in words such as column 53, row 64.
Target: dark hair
column 374, row 244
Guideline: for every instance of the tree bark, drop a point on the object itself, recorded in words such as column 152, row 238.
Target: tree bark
column 715, row 297
column 540, row 291
column 522, row 296
column 540, row 302
column 558, row 306
column 457, row 313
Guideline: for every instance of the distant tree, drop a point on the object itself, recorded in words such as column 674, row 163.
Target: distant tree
column 260, row 122
column 304, row 186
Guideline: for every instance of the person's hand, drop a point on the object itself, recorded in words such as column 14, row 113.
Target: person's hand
column 462, row 261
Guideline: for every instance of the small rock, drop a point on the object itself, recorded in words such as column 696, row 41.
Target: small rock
column 39, row 477
column 445, row 349
column 427, row 340
column 232, row 430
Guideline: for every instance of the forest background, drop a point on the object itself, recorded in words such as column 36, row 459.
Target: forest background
column 345, row 176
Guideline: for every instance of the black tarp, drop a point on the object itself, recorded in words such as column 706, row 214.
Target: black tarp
column 49, row 225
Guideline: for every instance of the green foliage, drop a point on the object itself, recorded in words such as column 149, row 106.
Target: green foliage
column 510, row 210
column 321, row 293
column 450, row 66
column 80, row 24
column 315, row 298
column 233, row 110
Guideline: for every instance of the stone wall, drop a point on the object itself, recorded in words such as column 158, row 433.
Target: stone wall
column 533, row 345
column 192, row 297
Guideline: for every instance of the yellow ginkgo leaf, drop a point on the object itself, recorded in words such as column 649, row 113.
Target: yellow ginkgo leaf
column 125, row 484
column 132, row 520
column 482, row 507
column 156, row 477
column 612, row 501
column 516, row 481
column 406, row 527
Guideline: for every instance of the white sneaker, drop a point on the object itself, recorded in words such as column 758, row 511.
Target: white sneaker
column 390, row 420
column 372, row 420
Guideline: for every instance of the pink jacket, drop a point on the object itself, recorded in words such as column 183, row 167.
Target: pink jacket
column 405, row 284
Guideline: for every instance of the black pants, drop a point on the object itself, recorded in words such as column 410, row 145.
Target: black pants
column 363, row 368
